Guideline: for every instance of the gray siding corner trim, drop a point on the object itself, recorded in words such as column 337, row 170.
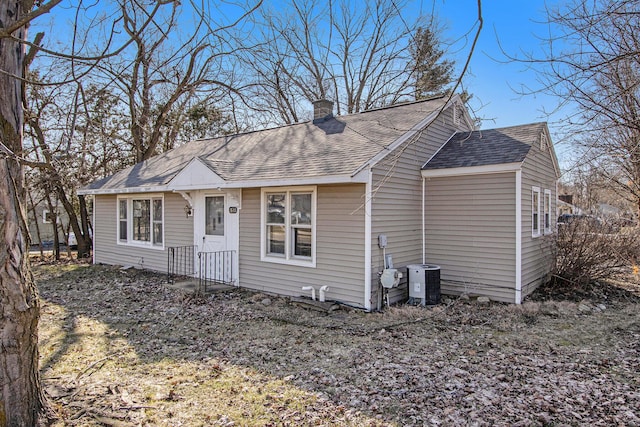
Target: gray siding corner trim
column 368, row 194
column 518, row 215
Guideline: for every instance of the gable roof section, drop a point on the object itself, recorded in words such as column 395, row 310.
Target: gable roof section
column 490, row 150
column 335, row 149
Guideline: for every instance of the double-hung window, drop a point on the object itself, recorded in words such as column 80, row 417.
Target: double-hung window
column 535, row 212
column 288, row 231
column 547, row 211
column 141, row 221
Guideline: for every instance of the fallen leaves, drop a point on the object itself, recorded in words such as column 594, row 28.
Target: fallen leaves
column 121, row 348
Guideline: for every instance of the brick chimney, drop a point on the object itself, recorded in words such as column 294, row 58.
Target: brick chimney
column 322, row 110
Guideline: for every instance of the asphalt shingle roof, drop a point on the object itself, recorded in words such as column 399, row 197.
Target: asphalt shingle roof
column 337, row 146
column 486, row 147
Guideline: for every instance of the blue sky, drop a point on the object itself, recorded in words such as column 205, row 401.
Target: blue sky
column 514, row 25
column 517, row 27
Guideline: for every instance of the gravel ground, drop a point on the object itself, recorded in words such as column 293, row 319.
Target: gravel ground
column 119, row 347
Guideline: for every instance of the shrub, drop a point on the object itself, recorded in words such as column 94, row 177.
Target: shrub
column 591, row 250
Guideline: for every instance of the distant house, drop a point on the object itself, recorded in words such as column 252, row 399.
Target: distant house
column 41, row 224
column 305, row 204
column 566, row 206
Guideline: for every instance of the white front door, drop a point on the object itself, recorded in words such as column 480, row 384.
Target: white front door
column 216, row 234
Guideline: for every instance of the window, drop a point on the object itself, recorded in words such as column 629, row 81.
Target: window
column 289, row 226
column 47, row 217
column 214, row 215
column 535, row 212
column 122, row 220
column 141, row 221
column 547, row 211
column 157, row 221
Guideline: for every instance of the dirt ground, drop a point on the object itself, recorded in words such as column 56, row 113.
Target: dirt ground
column 121, row 348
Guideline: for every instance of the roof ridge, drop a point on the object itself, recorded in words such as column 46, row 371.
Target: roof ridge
column 310, row 121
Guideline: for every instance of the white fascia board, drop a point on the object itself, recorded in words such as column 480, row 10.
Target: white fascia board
column 286, row 182
column 472, row 170
column 127, row 190
column 360, row 178
column 552, row 152
column 406, row 136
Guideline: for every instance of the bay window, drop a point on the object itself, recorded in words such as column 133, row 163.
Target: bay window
column 288, row 231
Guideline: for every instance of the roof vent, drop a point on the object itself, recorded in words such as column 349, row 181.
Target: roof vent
column 322, row 110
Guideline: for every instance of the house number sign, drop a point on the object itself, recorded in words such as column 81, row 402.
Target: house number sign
column 233, row 209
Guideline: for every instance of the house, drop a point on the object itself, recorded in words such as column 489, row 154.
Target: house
column 305, row 204
column 40, row 222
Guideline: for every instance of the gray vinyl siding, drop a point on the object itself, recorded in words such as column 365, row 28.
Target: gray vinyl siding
column 40, row 232
column 339, row 248
column 537, row 253
column 470, row 234
column 396, row 209
column 178, row 231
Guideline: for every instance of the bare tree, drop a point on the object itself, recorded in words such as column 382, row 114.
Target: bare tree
column 21, row 397
column 161, row 78
column 357, row 54
column 593, row 64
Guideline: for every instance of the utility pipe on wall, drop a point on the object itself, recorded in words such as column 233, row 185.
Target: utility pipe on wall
column 323, row 290
column 312, row 289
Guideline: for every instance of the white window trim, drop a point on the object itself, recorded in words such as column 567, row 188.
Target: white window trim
column 44, row 217
column 535, row 209
column 139, row 243
column 547, row 199
column 287, row 259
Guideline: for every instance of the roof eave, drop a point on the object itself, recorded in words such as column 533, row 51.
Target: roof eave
column 360, row 178
column 127, row 190
column 472, row 170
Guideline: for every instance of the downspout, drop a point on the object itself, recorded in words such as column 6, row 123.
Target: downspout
column 368, row 194
column 518, row 299
column 424, row 226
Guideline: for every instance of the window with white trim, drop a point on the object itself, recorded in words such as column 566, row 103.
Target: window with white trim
column 535, row 211
column 288, row 225
column 141, row 221
column 47, row 217
column 547, row 211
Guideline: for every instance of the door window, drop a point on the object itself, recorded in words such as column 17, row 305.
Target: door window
column 214, row 215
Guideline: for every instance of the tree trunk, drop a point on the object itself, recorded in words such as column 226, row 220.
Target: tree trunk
column 54, row 225
column 20, row 390
column 84, row 250
column 36, row 224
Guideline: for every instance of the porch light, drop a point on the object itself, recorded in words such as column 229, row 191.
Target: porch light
column 188, row 210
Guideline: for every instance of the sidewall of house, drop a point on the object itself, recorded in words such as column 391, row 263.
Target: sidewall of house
column 397, row 205
column 537, row 252
column 470, row 234
column 340, row 230
column 46, row 228
column 178, row 231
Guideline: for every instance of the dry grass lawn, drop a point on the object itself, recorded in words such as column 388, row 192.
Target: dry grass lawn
column 120, row 348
